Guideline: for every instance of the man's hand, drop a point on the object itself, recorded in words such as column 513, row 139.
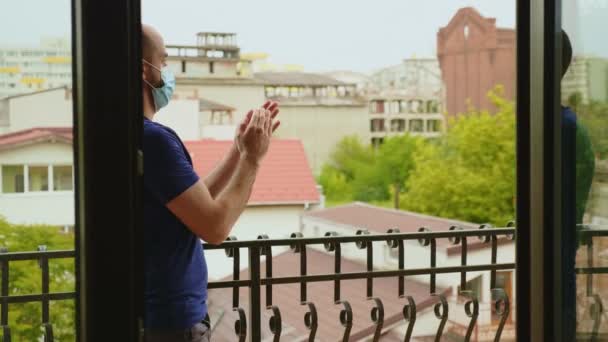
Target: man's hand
column 253, row 143
column 271, row 106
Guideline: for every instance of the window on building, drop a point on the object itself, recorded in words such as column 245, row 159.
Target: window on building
column 377, row 125
column 376, row 142
column 62, row 178
column 394, row 106
column 416, row 125
column 433, row 106
column 38, row 178
column 211, row 67
column 377, row 107
column 402, row 106
column 13, row 179
column 397, row 125
column 183, row 67
column 433, row 126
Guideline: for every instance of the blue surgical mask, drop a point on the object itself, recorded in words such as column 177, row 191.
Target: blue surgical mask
column 162, row 95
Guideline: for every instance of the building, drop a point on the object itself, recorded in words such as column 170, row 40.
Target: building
column 213, row 70
column 283, row 190
column 44, row 108
column 348, row 219
column 316, row 109
column 475, row 56
column 37, row 177
column 25, row 69
column 587, row 76
column 412, row 76
column 406, row 98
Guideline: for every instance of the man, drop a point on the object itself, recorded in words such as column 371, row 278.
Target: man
column 578, row 162
column 179, row 208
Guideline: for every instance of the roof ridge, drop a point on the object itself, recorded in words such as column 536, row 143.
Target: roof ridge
column 401, row 212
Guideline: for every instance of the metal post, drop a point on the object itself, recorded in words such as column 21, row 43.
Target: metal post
column 255, row 309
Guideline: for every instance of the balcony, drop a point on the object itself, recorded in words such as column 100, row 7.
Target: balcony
column 262, row 284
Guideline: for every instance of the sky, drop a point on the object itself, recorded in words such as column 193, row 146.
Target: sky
column 321, row 35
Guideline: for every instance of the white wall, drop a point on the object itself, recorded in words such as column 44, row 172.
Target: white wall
column 55, row 208
column 275, row 221
column 183, row 117
column 46, row 109
column 416, row 256
column 242, row 97
column 321, row 127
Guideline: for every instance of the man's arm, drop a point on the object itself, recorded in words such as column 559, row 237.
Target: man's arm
column 217, row 179
column 212, row 218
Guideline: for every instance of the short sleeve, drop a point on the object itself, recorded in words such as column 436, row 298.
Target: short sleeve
column 167, row 170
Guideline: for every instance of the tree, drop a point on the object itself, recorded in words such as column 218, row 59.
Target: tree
column 25, row 278
column 396, row 161
column 351, row 173
column 470, row 173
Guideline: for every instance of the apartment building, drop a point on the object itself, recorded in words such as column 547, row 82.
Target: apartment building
column 25, row 69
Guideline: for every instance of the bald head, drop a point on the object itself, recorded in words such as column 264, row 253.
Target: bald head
column 152, row 44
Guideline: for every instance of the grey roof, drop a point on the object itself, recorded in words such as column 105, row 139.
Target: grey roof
column 298, row 79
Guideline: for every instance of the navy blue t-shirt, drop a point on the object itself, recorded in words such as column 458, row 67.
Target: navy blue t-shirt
column 175, row 267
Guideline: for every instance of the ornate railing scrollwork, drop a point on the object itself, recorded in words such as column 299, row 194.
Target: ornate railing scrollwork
column 441, row 309
column 240, row 325
column 275, row 323
column 471, row 309
column 409, row 315
column 596, row 310
column 311, row 321
column 346, row 319
column 377, row 316
column 502, row 307
column 48, row 332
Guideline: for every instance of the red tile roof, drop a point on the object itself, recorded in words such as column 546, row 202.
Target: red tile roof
column 284, row 176
column 35, row 135
column 359, row 215
column 287, row 298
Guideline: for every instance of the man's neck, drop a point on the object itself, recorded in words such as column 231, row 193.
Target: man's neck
column 148, row 106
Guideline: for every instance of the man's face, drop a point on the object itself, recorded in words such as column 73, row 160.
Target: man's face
column 157, row 56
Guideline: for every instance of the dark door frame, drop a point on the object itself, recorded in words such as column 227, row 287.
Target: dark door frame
column 539, row 176
column 107, row 130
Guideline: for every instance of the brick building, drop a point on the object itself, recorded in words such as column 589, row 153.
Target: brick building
column 474, row 56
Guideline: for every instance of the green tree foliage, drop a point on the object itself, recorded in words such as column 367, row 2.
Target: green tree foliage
column 26, row 278
column 470, row 173
column 594, row 116
column 358, row 172
column 396, row 161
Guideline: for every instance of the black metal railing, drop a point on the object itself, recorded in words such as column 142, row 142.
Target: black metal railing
column 333, row 243
column 249, row 324
column 44, row 298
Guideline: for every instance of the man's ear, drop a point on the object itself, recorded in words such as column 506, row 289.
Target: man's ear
column 144, row 69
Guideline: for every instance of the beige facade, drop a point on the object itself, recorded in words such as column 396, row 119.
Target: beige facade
column 48, row 108
column 320, row 128
column 391, row 115
column 45, row 176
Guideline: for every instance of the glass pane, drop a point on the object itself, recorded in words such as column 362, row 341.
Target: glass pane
column 38, row 178
column 584, row 111
column 365, row 158
column 62, row 178
column 13, row 178
column 35, row 132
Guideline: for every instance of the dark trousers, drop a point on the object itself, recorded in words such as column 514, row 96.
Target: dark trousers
column 200, row 332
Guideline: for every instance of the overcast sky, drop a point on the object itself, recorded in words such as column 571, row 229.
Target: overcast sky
column 321, row 35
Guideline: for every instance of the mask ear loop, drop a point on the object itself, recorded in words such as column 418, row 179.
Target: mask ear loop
column 150, row 84
column 159, row 71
